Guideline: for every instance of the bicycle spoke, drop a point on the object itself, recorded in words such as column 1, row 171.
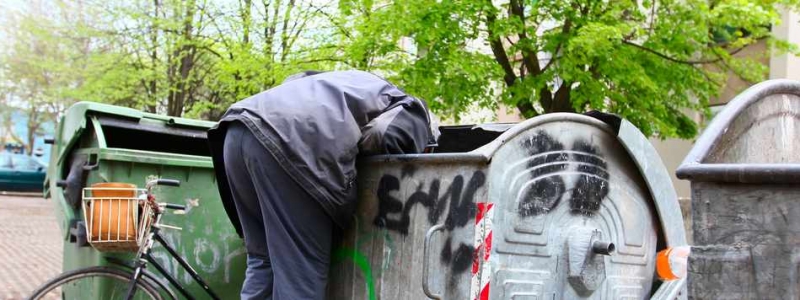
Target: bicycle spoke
column 94, row 283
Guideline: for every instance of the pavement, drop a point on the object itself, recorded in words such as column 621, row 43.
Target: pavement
column 30, row 244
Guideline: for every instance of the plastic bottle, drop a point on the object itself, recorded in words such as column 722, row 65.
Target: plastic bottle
column 672, row 263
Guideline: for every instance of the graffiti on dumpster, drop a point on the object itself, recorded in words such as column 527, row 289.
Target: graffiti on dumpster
column 458, row 200
column 207, row 257
column 543, row 194
column 592, row 185
column 548, row 165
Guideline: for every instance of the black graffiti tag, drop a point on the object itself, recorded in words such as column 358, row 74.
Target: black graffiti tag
column 592, row 186
column 549, row 156
column 458, row 199
column 548, row 186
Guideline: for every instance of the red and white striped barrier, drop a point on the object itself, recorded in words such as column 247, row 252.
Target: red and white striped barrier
column 481, row 270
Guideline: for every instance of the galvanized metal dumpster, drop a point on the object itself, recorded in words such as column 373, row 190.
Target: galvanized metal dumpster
column 104, row 143
column 745, row 171
column 561, row 206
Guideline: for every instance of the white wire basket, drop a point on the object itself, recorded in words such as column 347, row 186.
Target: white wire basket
column 117, row 217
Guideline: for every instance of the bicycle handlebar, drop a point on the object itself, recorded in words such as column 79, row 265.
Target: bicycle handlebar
column 174, row 206
column 168, row 182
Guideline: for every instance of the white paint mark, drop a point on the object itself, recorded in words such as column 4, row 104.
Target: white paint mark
column 203, row 246
column 229, row 258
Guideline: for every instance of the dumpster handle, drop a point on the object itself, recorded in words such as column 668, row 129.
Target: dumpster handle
column 425, row 256
column 92, row 163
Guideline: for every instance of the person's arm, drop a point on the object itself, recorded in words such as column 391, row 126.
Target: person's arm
column 400, row 130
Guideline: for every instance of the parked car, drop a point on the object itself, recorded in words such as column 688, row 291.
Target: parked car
column 21, row 173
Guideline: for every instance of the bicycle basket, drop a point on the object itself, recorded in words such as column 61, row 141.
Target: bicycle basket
column 116, row 221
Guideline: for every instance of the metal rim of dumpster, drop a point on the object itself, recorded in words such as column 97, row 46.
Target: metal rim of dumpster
column 693, row 168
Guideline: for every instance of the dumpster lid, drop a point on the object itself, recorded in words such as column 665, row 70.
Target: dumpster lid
column 704, row 161
column 75, row 121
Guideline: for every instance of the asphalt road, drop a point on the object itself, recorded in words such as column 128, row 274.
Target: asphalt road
column 30, row 244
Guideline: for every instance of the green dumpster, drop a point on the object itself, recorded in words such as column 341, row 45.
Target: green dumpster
column 104, row 143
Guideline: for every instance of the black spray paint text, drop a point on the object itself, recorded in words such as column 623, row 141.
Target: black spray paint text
column 458, row 200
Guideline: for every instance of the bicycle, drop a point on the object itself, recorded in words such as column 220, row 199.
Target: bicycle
column 137, row 283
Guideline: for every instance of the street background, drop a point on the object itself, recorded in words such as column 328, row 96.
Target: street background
column 30, row 245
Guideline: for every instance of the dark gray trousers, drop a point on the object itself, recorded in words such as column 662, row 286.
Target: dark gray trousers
column 287, row 234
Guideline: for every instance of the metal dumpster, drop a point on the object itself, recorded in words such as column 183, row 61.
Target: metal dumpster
column 744, row 171
column 103, row 143
column 561, row 206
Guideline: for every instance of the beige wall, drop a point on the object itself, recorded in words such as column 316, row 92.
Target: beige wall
column 507, row 114
column 735, row 85
column 786, row 65
column 672, row 152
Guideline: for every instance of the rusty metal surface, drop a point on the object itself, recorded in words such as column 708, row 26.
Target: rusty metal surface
column 560, row 186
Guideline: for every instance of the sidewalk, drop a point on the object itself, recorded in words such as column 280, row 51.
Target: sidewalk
column 30, row 245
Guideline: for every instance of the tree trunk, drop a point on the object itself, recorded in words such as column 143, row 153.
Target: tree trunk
column 246, row 15
column 285, row 30
column 561, row 101
column 6, row 125
column 31, row 138
column 3, row 136
column 33, row 126
column 185, row 56
column 153, row 85
column 271, row 29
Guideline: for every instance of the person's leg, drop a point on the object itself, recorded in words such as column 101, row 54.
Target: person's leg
column 298, row 229
column 258, row 280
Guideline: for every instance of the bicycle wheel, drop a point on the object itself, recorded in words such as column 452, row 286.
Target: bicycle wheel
column 94, row 283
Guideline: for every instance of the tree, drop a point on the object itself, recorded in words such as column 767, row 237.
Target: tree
column 150, row 54
column 195, row 57
column 648, row 61
column 259, row 44
column 38, row 67
column 177, row 57
column 5, row 116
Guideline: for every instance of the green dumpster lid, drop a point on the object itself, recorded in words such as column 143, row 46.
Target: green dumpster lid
column 75, row 120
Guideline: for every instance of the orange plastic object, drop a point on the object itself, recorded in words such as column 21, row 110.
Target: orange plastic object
column 113, row 219
column 671, row 263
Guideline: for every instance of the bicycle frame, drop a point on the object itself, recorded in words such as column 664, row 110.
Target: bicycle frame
column 144, row 258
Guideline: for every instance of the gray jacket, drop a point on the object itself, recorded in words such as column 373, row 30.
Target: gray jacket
column 317, row 125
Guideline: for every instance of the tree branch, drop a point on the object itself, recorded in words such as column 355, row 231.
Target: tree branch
column 529, row 56
column 498, row 50
column 564, row 30
column 285, row 26
column 675, row 60
column 333, row 21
